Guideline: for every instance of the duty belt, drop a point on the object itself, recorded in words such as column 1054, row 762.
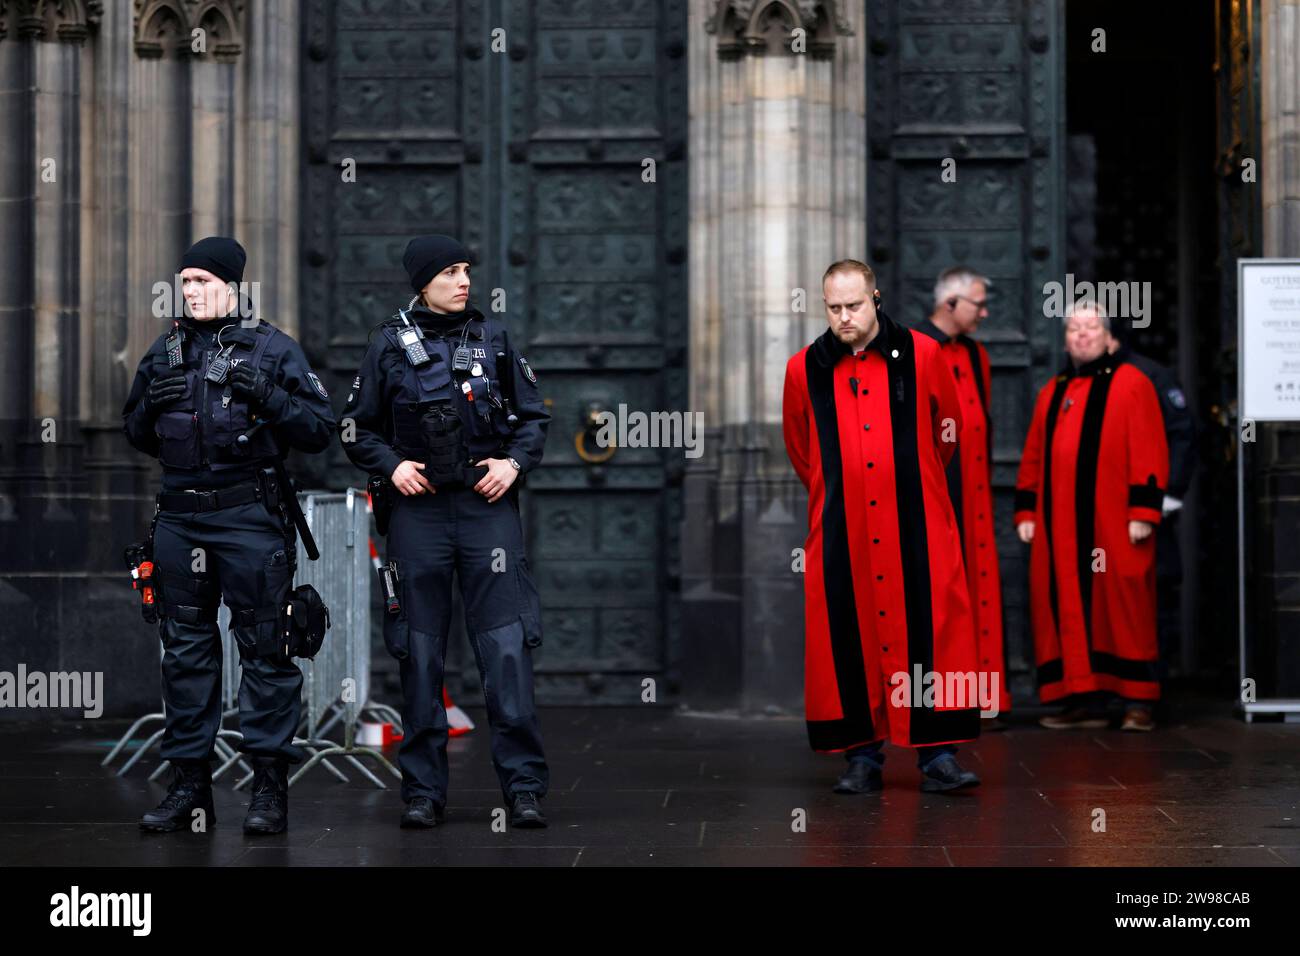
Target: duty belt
column 211, row 500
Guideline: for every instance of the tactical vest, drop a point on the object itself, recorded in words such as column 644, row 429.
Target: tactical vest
column 202, row 430
column 483, row 424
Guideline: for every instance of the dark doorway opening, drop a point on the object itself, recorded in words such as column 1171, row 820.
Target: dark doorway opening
column 1143, row 204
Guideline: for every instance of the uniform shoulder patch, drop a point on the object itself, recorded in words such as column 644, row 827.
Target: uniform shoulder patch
column 316, row 384
column 527, row 370
column 1177, row 398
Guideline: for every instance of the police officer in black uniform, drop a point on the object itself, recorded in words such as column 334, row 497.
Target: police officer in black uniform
column 217, row 398
column 1181, row 435
column 449, row 413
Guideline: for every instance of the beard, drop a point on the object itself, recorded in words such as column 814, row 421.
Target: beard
column 855, row 336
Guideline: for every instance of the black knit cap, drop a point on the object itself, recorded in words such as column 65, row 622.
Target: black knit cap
column 426, row 256
column 221, row 256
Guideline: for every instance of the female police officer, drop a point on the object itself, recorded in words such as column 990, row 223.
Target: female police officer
column 449, row 413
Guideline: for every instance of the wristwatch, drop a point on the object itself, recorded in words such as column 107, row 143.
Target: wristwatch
column 515, row 464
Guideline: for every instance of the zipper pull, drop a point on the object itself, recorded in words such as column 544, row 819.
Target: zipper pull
column 225, row 397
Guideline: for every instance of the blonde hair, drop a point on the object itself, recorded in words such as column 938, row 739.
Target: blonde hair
column 1086, row 306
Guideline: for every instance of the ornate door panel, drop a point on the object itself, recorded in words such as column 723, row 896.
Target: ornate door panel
column 394, row 99
column 980, row 82
column 596, row 265
column 534, row 156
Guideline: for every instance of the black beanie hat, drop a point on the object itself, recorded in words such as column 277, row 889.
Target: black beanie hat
column 426, row 256
column 221, row 256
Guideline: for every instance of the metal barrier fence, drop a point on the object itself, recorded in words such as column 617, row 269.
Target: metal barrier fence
column 336, row 683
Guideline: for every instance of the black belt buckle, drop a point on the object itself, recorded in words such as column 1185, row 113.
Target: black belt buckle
column 207, row 500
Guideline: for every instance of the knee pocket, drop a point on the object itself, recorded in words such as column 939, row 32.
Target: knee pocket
column 261, row 635
column 530, row 604
column 397, row 635
column 397, row 627
column 185, row 599
column 507, row 670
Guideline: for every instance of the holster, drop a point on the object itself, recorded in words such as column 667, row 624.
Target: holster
column 139, row 562
column 304, row 621
column 300, row 624
column 268, row 481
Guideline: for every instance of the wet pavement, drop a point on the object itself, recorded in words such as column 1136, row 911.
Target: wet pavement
column 661, row 787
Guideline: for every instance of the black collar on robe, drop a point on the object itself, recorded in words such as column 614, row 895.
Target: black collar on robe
column 891, row 338
column 1099, row 366
column 927, row 327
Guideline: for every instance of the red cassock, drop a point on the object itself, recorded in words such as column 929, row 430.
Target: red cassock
column 970, row 486
column 884, row 584
column 1094, row 460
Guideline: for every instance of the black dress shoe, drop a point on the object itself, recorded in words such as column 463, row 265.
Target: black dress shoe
column 191, row 790
column 422, row 813
column 268, row 809
column 861, row 777
column 526, row 811
column 944, row 774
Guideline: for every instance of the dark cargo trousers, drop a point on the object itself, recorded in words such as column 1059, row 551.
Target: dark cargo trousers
column 241, row 555
column 455, row 529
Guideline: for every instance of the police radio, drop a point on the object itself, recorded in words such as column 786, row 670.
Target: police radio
column 412, row 340
column 219, row 367
column 173, row 343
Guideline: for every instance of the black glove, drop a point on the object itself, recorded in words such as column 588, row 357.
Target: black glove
column 252, row 382
column 165, row 390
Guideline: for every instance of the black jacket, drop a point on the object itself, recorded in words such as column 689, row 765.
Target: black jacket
column 1180, row 424
column 378, row 385
column 297, row 414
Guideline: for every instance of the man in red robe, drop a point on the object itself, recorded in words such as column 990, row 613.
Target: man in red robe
column 870, row 420
column 960, row 304
column 1089, row 494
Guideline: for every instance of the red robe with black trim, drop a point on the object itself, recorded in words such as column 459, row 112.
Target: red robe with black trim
column 884, row 584
column 970, row 486
column 1094, row 460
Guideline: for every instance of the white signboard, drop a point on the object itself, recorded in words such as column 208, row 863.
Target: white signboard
column 1269, row 339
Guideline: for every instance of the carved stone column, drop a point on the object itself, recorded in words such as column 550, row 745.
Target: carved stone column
column 129, row 128
column 1280, row 126
column 777, row 153
column 267, row 157
column 43, row 60
column 1273, row 462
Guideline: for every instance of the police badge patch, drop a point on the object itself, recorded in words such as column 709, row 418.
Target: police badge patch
column 528, row 372
column 316, row 383
column 1176, row 398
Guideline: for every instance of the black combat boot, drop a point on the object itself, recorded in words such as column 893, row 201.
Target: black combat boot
column 191, row 790
column 268, row 810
